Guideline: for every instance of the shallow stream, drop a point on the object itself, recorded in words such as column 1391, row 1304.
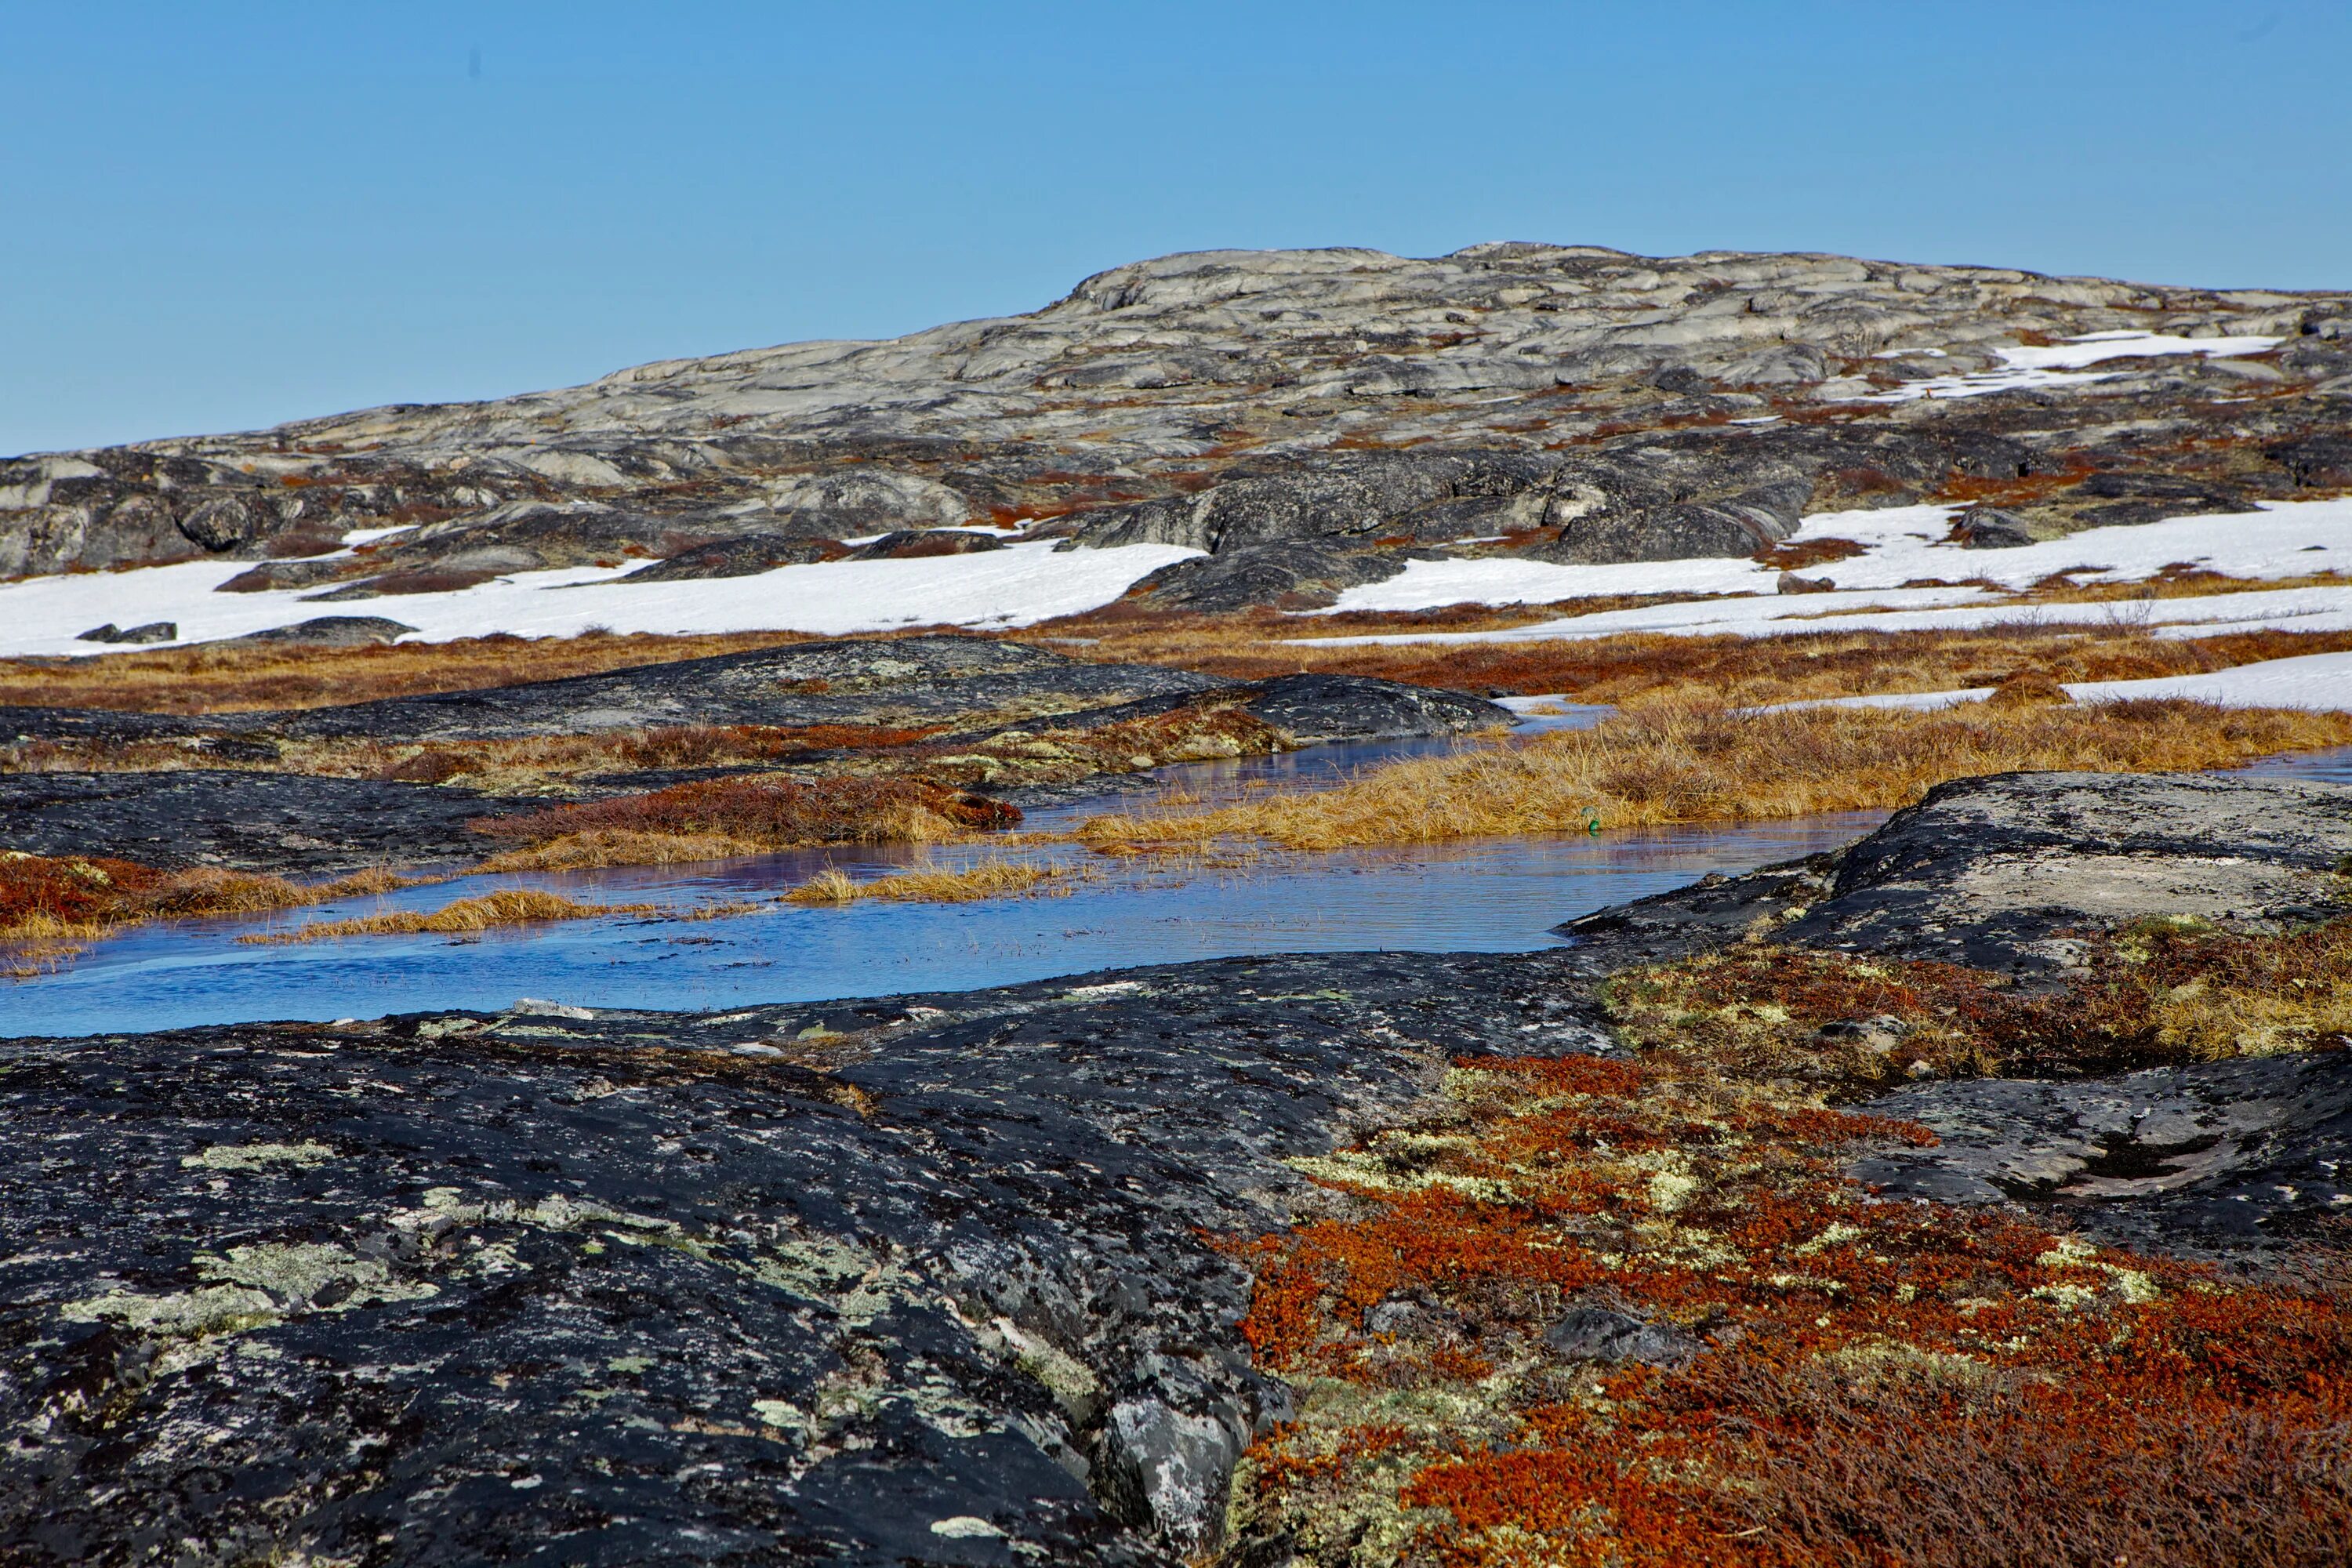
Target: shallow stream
column 1490, row 895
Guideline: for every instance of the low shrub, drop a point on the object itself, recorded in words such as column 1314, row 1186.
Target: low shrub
column 1817, row 1375
column 773, row 812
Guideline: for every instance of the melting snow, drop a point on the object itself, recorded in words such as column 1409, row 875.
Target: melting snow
column 2060, row 364
column 1017, row 585
column 1907, row 544
column 2318, row 680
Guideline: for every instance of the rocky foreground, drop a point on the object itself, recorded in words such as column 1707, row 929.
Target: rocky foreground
column 1311, row 419
column 964, row 1279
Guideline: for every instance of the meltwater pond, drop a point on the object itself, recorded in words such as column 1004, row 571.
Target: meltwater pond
column 1499, row 895
column 1490, row 895
column 1493, row 895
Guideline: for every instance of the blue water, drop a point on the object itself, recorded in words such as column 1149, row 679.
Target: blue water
column 1496, row 895
column 1491, row 895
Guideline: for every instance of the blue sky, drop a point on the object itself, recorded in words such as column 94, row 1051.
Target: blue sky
column 218, row 217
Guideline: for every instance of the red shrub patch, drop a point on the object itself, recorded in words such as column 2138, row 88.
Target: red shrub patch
column 836, row 810
column 1842, row 1379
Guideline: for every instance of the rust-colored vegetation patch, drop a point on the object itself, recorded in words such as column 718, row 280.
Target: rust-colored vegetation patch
column 2152, row 993
column 43, row 896
column 1668, row 763
column 1629, row 1314
column 507, row 907
column 768, row 812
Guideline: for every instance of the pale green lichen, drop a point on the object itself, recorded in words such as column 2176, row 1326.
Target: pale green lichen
column 258, row 1156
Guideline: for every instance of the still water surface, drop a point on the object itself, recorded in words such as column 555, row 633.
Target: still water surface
column 1492, row 895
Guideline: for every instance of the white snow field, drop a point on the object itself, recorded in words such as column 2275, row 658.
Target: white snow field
column 1017, row 585
column 1907, row 544
column 2060, row 364
column 2319, row 681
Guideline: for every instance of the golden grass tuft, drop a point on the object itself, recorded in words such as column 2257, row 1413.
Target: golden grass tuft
column 2028, row 689
column 598, row 846
column 988, row 880
column 1671, row 762
column 507, row 907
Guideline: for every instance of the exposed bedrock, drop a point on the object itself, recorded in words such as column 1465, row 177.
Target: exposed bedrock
column 1590, row 404
column 934, row 1278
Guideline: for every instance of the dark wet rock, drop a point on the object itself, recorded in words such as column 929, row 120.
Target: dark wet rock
column 289, row 822
column 1991, row 871
column 440, row 579
column 1995, row 872
column 1292, row 575
column 1990, row 527
column 2127, row 499
column 2208, row 1160
column 152, row 632
column 1741, row 525
column 921, row 1279
column 329, row 631
column 920, row 545
column 744, row 557
column 224, row 522
column 272, row 575
column 909, row 680
column 2316, row 462
column 851, row 681
column 1314, row 709
column 1589, row 1332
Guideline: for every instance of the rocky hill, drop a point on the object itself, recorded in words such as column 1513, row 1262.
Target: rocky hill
column 1311, row 419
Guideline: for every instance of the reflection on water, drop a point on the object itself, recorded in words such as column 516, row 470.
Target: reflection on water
column 2331, row 766
column 1496, row 895
column 1493, row 895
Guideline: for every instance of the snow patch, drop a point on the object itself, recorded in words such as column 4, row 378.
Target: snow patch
column 1015, row 586
column 1900, row 545
column 2032, row 366
column 2319, row 682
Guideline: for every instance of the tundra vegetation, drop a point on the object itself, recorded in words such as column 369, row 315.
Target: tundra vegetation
column 1629, row 1309
column 1668, row 761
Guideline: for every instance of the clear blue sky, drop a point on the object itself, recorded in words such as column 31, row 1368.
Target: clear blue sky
column 216, row 216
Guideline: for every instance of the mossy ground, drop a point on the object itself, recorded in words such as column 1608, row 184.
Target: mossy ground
column 1859, row 1379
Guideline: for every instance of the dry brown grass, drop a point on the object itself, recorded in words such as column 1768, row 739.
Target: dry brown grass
column 2152, row 992
column 507, row 907
column 621, row 847
column 1756, row 671
column 989, row 879
column 1668, row 763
